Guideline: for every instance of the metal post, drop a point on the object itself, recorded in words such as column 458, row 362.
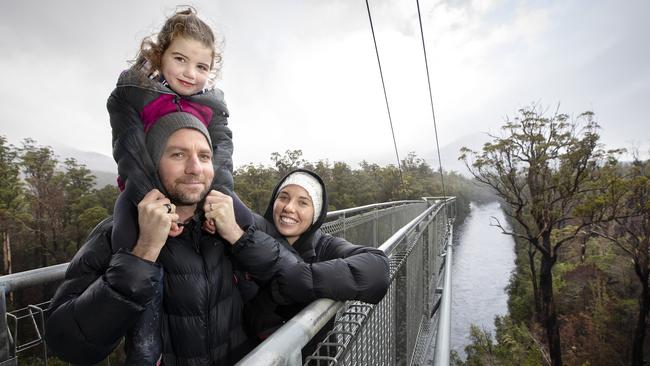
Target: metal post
column 426, row 264
column 375, row 226
column 6, row 350
column 443, row 336
column 401, row 311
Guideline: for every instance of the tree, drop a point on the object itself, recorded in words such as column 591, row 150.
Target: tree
column 45, row 186
column 254, row 185
column 79, row 198
column 541, row 167
column 11, row 198
column 106, row 197
column 291, row 160
column 342, row 188
column 628, row 203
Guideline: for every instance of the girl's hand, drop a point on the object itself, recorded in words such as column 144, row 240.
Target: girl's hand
column 220, row 212
column 208, row 225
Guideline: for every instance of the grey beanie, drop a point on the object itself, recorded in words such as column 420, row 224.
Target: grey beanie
column 157, row 136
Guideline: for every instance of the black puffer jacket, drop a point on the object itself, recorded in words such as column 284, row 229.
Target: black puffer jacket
column 138, row 99
column 333, row 268
column 104, row 295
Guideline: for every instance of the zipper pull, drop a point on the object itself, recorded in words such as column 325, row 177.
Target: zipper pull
column 177, row 101
column 196, row 235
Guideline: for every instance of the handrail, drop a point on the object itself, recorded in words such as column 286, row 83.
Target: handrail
column 38, row 276
column 284, row 346
column 443, row 336
column 367, row 207
column 391, row 242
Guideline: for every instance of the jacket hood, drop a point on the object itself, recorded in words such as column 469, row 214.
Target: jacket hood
column 304, row 241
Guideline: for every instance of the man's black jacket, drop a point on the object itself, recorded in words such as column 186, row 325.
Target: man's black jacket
column 104, row 295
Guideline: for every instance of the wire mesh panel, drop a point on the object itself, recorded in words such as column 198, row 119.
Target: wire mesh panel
column 375, row 224
column 398, row 330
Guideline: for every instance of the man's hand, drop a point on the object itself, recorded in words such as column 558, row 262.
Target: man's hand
column 219, row 212
column 157, row 218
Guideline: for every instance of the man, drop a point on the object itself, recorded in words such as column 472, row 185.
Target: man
column 106, row 295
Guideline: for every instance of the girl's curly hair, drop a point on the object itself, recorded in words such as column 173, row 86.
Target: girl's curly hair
column 183, row 23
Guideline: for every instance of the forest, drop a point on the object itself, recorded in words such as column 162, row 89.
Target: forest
column 580, row 217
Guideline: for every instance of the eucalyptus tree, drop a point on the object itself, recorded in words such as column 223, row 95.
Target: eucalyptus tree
column 627, row 203
column 541, row 167
column 11, row 198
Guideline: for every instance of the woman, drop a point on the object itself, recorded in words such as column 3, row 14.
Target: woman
column 333, row 268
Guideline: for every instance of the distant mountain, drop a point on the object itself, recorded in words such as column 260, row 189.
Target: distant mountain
column 103, row 167
column 449, row 153
column 92, row 160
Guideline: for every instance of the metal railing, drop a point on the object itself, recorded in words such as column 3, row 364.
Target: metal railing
column 10, row 341
column 398, row 329
column 395, row 330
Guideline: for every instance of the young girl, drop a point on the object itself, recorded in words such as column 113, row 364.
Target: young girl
column 174, row 71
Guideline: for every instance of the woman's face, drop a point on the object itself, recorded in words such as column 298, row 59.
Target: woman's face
column 293, row 212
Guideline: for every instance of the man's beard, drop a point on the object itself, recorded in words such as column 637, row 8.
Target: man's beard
column 180, row 198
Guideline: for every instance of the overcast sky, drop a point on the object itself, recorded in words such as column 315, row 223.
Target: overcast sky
column 303, row 74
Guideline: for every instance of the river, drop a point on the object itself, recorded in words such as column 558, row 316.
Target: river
column 482, row 262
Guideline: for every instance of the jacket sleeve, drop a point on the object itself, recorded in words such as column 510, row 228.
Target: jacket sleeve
column 262, row 255
column 344, row 271
column 222, row 145
column 101, row 297
column 134, row 166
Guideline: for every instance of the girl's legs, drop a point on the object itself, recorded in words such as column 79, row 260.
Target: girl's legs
column 125, row 224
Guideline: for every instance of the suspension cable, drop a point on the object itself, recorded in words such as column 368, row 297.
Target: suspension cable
column 381, row 74
column 433, row 113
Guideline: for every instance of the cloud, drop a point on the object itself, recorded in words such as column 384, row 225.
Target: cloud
column 303, row 75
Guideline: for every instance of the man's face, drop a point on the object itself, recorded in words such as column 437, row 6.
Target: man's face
column 185, row 168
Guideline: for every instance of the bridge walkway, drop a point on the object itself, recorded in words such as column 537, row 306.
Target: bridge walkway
column 413, row 317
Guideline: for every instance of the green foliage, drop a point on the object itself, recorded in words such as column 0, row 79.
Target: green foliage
column 348, row 187
column 12, row 198
column 515, row 345
column 106, row 197
column 46, row 207
column 521, row 304
column 254, row 185
column 291, row 160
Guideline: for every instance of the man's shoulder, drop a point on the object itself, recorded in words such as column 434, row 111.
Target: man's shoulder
column 95, row 253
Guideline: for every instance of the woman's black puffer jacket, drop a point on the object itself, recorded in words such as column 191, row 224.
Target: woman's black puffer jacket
column 333, row 268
